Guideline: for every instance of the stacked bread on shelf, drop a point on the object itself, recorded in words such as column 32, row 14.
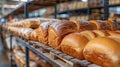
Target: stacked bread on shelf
column 114, row 2
column 35, row 61
column 94, row 40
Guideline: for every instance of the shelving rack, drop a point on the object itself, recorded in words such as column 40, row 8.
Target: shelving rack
column 38, row 5
column 27, row 7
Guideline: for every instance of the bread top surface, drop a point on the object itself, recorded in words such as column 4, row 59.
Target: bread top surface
column 113, row 32
column 75, row 40
column 63, row 27
column 45, row 25
column 115, row 37
column 111, row 24
column 101, row 25
column 88, row 34
column 105, row 48
column 83, row 25
column 101, row 33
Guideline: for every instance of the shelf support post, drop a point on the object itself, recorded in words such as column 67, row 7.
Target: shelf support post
column 27, row 56
column 106, row 9
column 55, row 11
column 11, row 50
column 26, row 13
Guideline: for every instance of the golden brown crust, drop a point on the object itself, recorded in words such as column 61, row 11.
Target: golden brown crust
column 58, row 30
column 83, row 25
column 43, row 32
column 103, row 51
column 101, row 33
column 113, row 32
column 89, row 34
column 111, row 24
column 73, row 44
column 100, row 25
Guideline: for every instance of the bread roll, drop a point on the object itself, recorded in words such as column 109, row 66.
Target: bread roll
column 89, row 34
column 58, row 30
column 103, row 51
column 83, row 25
column 73, row 44
column 100, row 25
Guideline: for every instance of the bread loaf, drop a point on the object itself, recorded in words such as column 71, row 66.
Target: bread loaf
column 89, row 34
column 117, row 25
column 111, row 24
column 43, row 32
column 83, row 25
column 34, row 35
column 101, row 33
column 103, row 51
column 73, row 44
column 115, row 37
column 58, row 30
column 113, row 32
column 25, row 32
column 100, row 25
column 31, row 23
column 118, row 31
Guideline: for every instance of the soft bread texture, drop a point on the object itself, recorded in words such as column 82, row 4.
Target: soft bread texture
column 73, row 44
column 58, row 30
column 100, row 25
column 103, row 51
column 88, row 34
column 83, row 25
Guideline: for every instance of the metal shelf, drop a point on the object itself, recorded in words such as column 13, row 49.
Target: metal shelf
column 37, row 5
column 37, row 52
column 85, row 9
column 73, row 10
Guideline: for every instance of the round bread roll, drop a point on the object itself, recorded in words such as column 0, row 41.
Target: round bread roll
column 100, row 25
column 58, row 30
column 73, row 44
column 88, row 34
column 101, row 33
column 103, row 51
